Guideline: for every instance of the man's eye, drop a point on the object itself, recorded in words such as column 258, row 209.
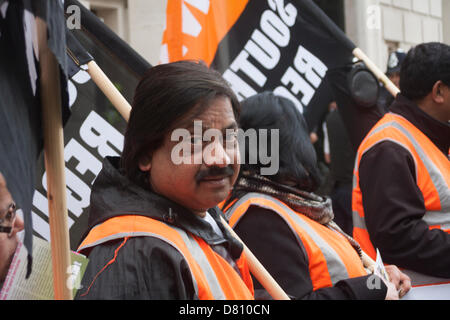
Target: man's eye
column 231, row 136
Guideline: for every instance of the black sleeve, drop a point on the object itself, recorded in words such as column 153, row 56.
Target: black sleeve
column 144, row 268
column 274, row 244
column 394, row 207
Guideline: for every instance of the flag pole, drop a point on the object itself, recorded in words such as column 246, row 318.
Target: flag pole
column 388, row 84
column 337, row 33
column 258, row 270
column 109, row 89
column 124, row 108
column 54, row 163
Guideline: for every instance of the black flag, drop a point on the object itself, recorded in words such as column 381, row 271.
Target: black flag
column 281, row 46
column 20, row 109
column 95, row 129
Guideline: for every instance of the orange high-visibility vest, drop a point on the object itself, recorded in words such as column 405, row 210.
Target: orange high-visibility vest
column 330, row 256
column 432, row 178
column 213, row 277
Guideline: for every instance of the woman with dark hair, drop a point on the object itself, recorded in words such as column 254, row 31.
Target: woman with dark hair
column 289, row 228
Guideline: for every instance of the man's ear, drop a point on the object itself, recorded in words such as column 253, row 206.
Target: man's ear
column 145, row 163
column 437, row 92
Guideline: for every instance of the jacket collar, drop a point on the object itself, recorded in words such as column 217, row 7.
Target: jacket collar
column 438, row 132
column 113, row 195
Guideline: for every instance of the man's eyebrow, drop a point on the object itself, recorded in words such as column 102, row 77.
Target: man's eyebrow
column 233, row 126
column 191, row 126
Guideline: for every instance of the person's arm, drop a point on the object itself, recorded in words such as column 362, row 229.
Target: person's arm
column 275, row 246
column 144, row 268
column 394, row 207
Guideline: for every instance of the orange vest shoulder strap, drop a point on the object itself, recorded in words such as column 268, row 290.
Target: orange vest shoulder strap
column 210, row 281
column 329, row 254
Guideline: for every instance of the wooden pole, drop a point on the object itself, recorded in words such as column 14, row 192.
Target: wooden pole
column 124, row 108
column 109, row 90
column 388, row 84
column 54, row 163
column 258, row 270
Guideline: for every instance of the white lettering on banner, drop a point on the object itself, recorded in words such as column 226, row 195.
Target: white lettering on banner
column 78, row 193
column 275, row 29
column 287, row 13
column 241, row 63
column 86, row 161
column 299, row 82
column 298, row 85
column 40, row 202
column 41, row 226
column 239, row 86
column 98, row 133
column 308, row 64
column 263, row 50
column 80, row 77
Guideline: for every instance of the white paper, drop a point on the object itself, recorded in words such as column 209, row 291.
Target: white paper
column 435, row 292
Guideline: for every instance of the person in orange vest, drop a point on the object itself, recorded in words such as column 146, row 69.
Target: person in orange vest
column 401, row 194
column 154, row 228
column 286, row 226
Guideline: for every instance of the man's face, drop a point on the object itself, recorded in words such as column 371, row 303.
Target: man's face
column 205, row 176
column 8, row 244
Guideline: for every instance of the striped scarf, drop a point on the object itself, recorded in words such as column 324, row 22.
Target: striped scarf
column 309, row 204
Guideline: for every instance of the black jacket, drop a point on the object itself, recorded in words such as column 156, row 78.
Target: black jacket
column 272, row 241
column 393, row 203
column 144, row 267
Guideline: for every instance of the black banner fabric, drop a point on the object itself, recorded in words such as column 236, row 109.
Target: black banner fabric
column 285, row 47
column 20, row 104
column 95, row 129
column 20, row 112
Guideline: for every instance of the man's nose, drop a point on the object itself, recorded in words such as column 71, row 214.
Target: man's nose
column 18, row 224
column 215, row 155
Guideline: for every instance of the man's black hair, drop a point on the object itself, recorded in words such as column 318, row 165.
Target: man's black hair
column 423, row 66
column 297, row 157
column 166, row 94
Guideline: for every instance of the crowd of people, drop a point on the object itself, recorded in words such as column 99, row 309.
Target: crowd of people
column 156, row 223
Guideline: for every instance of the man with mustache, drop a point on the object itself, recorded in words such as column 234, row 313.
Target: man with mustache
column 154, row 228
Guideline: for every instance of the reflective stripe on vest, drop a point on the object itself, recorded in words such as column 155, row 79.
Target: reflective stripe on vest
column 330, row 256
column 212, row 276
column 432, row 174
